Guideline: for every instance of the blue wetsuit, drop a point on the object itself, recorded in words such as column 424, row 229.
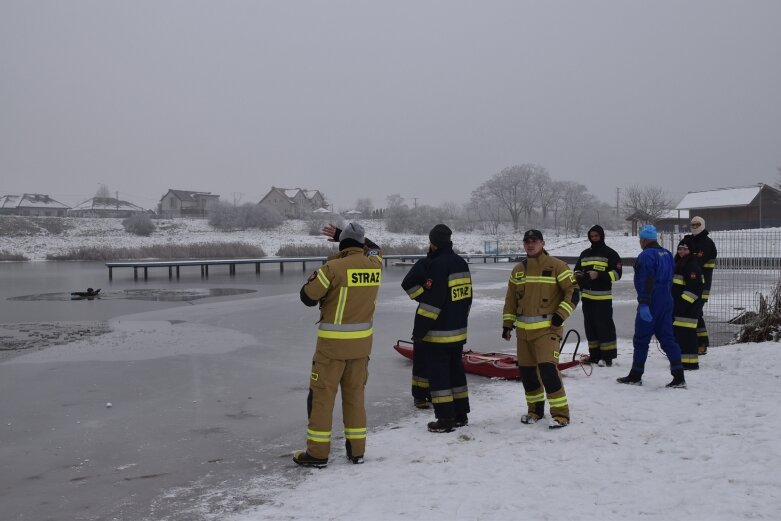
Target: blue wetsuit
column 654, row 270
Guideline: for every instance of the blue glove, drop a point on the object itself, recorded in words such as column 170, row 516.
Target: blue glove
column 645, row 313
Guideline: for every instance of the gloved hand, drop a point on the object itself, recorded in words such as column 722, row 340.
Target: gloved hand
column 645, row 313
column 556, row 320
column 507, row 332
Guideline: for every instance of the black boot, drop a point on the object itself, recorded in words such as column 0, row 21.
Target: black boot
column 678, row 380
column 633, row 378
column 302, row 457
column 461, row 420
column 441, row 425
column 350, row 456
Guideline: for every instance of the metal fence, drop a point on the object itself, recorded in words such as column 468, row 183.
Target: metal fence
column 748, row 264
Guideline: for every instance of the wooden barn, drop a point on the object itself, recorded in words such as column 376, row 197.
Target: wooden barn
column 738, row 208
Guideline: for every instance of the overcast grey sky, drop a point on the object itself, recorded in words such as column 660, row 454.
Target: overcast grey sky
column 427, row 99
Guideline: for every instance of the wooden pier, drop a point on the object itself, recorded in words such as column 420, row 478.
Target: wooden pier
column 174, row 266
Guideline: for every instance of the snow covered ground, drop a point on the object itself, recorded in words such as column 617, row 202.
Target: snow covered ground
column 109, row 232
column 709, row 452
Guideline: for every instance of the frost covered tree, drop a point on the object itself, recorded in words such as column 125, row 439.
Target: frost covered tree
column 650, row 200
column 514, row 189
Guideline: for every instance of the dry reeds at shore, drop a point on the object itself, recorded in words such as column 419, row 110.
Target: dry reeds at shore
column 766, row 325
column 200, row 250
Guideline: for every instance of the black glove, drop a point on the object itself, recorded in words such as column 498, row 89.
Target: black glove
column 507, row 332
column 337, row 234
column 556, row 320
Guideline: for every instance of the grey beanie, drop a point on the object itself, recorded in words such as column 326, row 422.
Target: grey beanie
column 352, row 231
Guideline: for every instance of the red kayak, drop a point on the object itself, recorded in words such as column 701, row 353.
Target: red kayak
column 493, row 365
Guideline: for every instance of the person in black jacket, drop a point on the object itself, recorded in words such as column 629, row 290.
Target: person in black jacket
column 705, row 252
column 415, row 285
column 688, row 284
column 597, row 268
column 443, row 288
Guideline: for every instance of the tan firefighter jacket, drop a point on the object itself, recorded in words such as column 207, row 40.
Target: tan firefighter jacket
column 346, row 287
column 539, row 287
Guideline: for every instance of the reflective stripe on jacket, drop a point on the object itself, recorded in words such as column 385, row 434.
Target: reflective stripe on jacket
column 346, row 286
column 539, row 287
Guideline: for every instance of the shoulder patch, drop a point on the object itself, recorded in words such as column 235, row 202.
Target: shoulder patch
column 618, row 265
column 428, row 283
column 372, row 253
column 693, row 275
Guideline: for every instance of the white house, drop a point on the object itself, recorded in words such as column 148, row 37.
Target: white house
column 32, row 204
column 293, row 202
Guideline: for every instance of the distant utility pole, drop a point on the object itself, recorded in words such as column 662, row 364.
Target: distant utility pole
column 415, row 201
column 618, row 190
column 117, row 194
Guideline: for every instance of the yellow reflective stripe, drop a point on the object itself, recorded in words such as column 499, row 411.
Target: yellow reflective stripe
column 566, row 306
column 535, row 398
column 458, row 282
column 339, row 315
column 688, row 296
column 690, row 359
column 323, row 279
column 344, row 335
column 564, row 275
column 415, row 292
column 508, row 316
column 442, row 399
column 610, row 346
column 444, row 339
column 596, row 297
column 517, row 281
column 558, row 402
column 540, row 279
column 460, row 395
column 680, row 281
column 702, row 333
column 613, row 275
column 318, row 436
column 355, row 434
column 419, row 382
column 428, row 314
column 679, row 323
column 594, row 263
column 533, row 325
column 709, row 264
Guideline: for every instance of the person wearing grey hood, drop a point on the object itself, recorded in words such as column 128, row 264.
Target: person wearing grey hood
column 597, row 268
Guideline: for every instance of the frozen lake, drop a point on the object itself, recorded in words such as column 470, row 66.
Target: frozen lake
column 206, row 393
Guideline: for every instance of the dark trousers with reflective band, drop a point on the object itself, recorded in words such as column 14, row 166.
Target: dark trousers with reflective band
column 420, row 383
column 686, row 335
column 328, row 375
column 538, row 358
column 662, row 327
column 702, row 333
column 600, row 328
column 447, row 380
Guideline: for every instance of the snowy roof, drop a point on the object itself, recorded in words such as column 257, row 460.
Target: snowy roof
column 107, row 203
column 352, row 212
column 322, row 210
column 189, row 195
column 720, row 198
column 30, row 201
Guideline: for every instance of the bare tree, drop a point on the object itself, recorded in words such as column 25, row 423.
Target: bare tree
column 652, row 201
column 547, row 195
column 103, row 191
column 488, row 210
column 364, row 205
column 513, row 188
column 577, row 203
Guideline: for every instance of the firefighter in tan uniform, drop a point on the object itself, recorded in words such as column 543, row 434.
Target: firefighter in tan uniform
column 541, row 294
column 346, row 288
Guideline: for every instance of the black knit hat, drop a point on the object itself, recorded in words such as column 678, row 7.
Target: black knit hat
column 440, row 235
